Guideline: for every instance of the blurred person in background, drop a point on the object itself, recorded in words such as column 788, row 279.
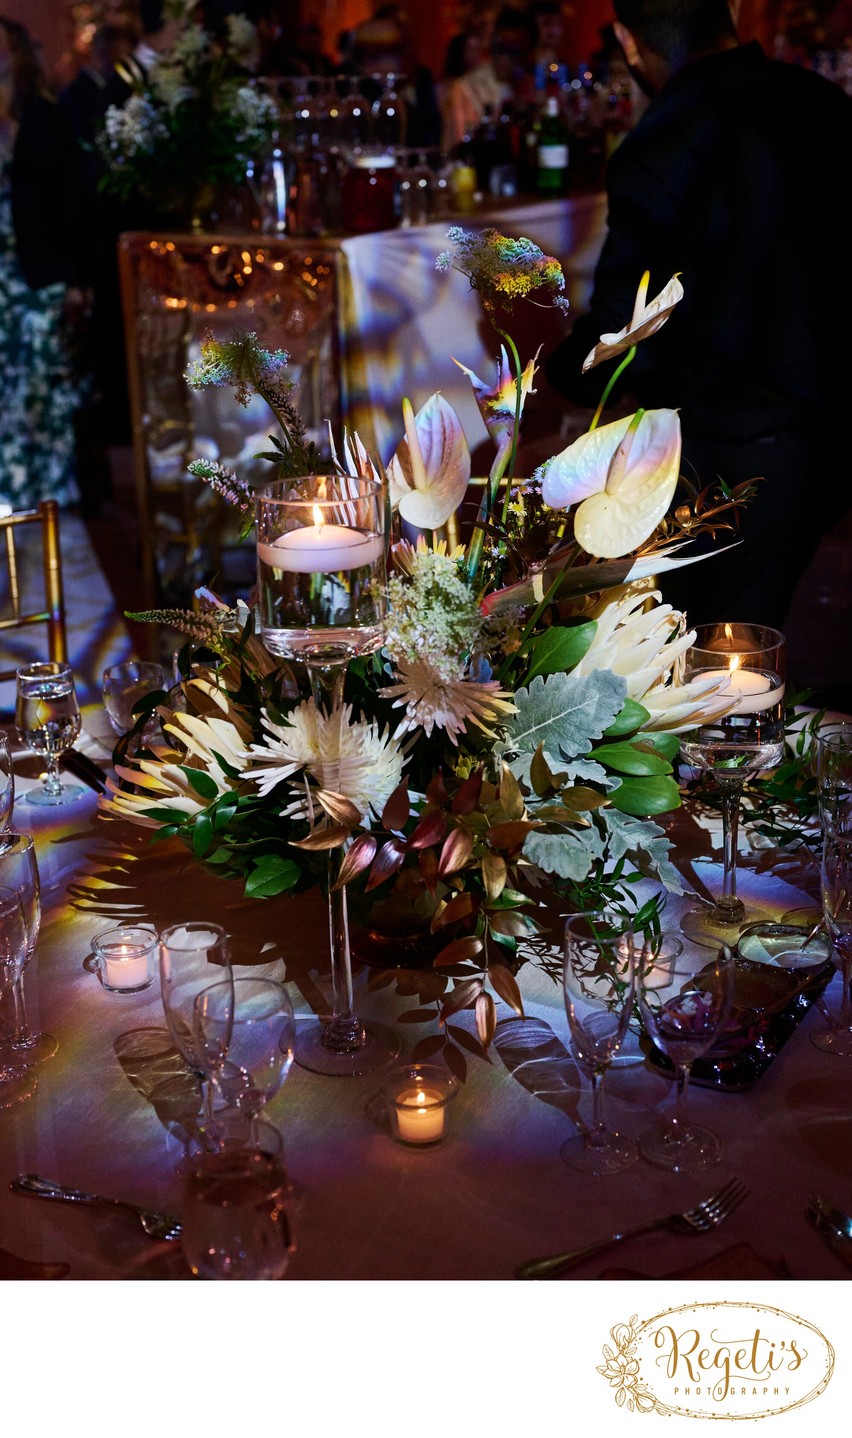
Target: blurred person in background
column 498, row 71
column 42, row 273
column 732, row 179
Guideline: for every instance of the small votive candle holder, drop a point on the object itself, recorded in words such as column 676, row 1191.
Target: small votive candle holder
column 418, row 1100
column 125, row 958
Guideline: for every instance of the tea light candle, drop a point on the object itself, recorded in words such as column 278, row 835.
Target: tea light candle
column 125, row 966
column 756, row 691
column 420, row 1115
column 322, row 549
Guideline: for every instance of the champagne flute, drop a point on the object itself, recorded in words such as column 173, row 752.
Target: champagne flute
column 16, row 1083
column 684, row 1012
column 734, row 748
column 252, row 1024
column 598, row 986
column 7, row 790
column 836, row 887
column 236, row 1222
column 192, row 956
column 47, row 720
column 321, row 565
column 19, row 871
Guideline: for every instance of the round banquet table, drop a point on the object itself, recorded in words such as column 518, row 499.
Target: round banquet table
column 105, row 1118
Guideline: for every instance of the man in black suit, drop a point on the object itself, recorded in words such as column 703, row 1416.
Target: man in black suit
column 733, row 178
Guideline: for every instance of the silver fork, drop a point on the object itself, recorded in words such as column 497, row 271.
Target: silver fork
column 700, row 1219
column 156, row 1225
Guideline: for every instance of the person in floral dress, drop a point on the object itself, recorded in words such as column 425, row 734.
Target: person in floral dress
column 41, row 298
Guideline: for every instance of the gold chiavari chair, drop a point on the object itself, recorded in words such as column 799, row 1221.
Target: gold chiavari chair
column 52, row 611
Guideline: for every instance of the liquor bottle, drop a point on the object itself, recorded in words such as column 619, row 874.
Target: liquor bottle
column 552, row 150
column 485, row 149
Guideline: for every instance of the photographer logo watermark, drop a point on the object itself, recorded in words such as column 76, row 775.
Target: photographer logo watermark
column 717, row 1360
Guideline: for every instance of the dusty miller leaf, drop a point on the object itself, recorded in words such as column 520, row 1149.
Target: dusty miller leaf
column 643, row 842
column 569, row 856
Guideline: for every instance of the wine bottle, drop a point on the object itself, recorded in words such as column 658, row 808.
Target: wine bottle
column 552, row 150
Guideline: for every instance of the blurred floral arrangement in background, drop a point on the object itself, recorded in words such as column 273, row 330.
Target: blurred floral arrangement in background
column 194, row 122
column 517, row 731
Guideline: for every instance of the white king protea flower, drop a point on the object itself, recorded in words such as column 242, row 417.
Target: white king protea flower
column 643, row 645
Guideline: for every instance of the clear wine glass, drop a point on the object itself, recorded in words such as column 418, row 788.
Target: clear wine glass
column 734, row 748
column 7, row 790
column 321, row 561
column 237, row 1203
column 47, row 720
column 253, row 1026
column 16, row 1083
column 193, row 956
column 126, row 683
column 19, row 871
column 834, row 777
column 598, row 985
column 836, row 887
column 684, row 1008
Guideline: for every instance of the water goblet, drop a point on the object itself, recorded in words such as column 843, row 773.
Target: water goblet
column 237, row 1201
column 47, row 720
column 125, row 684
column 598, row 986
column 19, row 871
column 834, row 777
column 734, row 748
column 836, row 889
column 684, row 1009
column 7, row 790
column 16, row 1083
column 252, row 1025
column 192, row 956
column 321, row 559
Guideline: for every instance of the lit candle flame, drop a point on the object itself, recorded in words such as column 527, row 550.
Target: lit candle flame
column 729, row 634
column 734, row 662
column 421, row 1099
column 319, row 518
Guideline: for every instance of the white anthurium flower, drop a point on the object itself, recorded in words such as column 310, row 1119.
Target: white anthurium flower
column 497, row 402
column 647, row 318
column 430, row 470
column 643, row 644
column 622, row 476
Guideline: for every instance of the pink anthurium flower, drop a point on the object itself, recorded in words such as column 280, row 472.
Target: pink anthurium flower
column 497, row 403
column 622, row 476
column 647, row 318
column 430, row 470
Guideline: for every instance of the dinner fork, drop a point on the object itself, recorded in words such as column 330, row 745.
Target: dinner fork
column 156, row 1225
column 700, row 1219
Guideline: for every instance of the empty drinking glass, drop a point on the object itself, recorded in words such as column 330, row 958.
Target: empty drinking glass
column 7, row 790
column 16, row 1082
column 237, row 1201
column 836, row 887
column 249, row 1022
column 125, row 684
column 19, row 872
column 192, row 956
column 834, row 777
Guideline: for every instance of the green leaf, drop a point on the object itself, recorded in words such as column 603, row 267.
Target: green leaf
column 665, row 744
column 656, row 795
column 641, row 841
column 201, row 782
column 162, row 815
column 564, row 713
column 202, row 835
column 560, row 647
column 631, row 718
column 271, row 875
column 629, row 759
column 568, row 856
column 225, row 810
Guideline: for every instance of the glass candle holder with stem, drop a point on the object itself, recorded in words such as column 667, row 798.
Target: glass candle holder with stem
column 7, row 790
column 251, row 1023
column 192, row 956
column 733, row 749
column 684, row 1007
column 321, row 558
column 836, row 890
column 16, row 1081
column 19, row 871
column 598, row 986
column 47, row 720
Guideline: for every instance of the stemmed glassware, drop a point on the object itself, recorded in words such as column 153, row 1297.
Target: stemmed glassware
column 7, row 790
column 126, row 683
column 734, row 748
column 834, row 777
column 15, row 1083
column 836, row 887
column 47, row 720
column 321, row 552
column 684, row 1010
column 236, row 1222
column 598, row 984
column 19, row 872
column 193, row 956
column 250, row 1024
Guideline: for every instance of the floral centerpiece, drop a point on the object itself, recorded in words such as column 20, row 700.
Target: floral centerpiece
column 517, row 731
column 193, row 125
